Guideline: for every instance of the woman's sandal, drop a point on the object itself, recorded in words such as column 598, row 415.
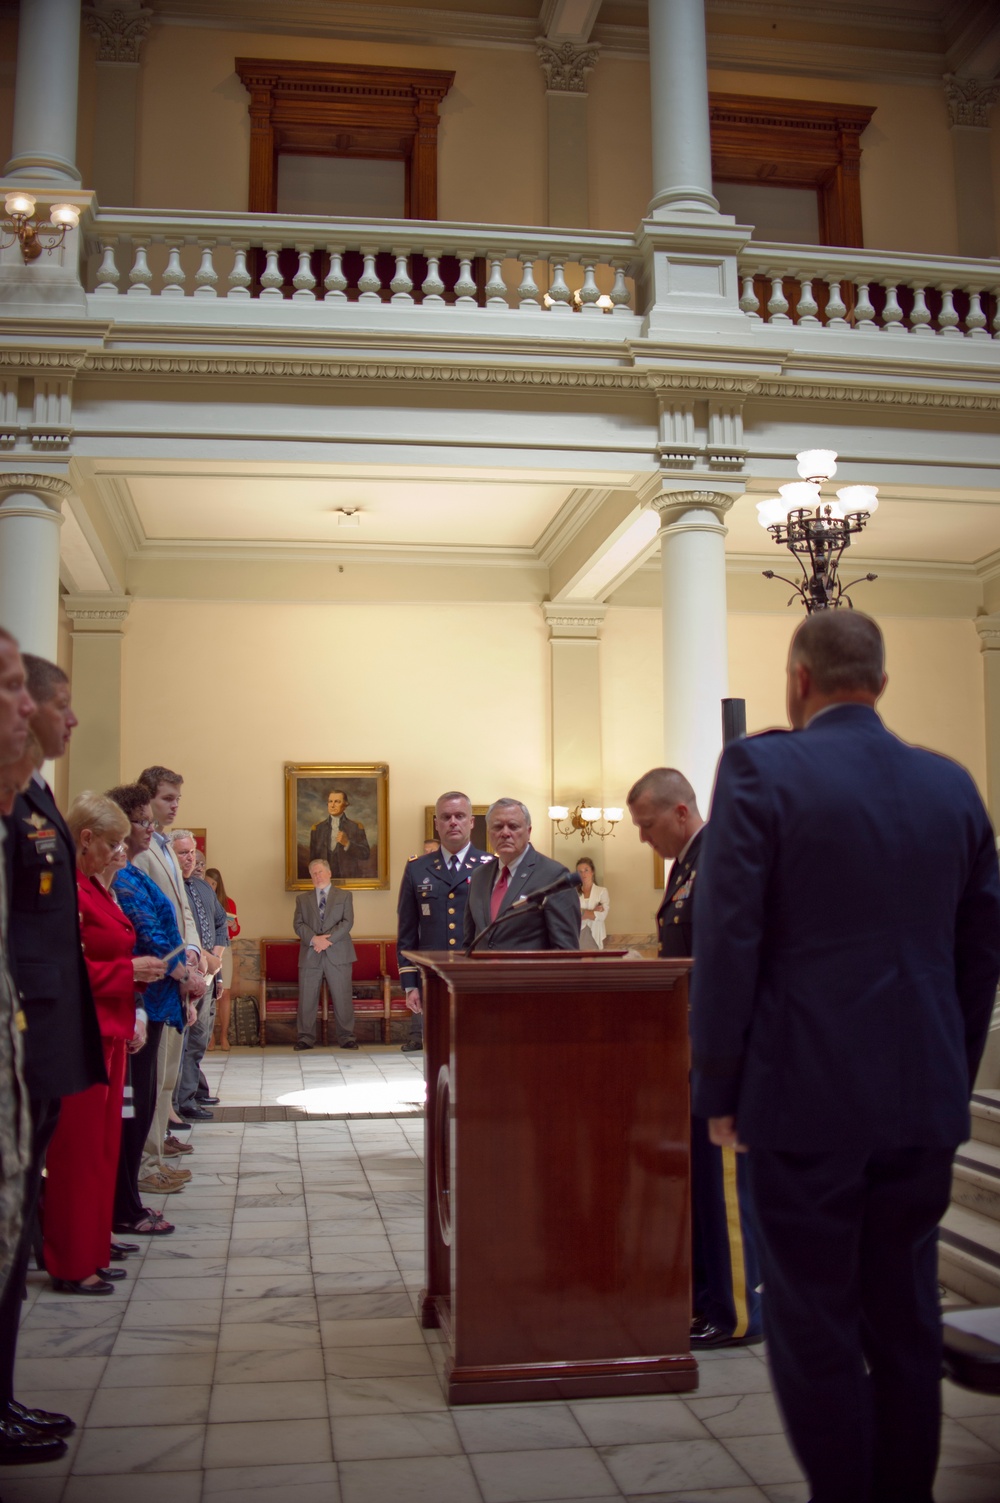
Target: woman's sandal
column 153, row 1224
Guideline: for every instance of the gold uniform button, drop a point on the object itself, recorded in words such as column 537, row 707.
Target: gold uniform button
column 451, row 926
column 451, row 895
column 677, row 919
column 451, row 910
column 451, row 941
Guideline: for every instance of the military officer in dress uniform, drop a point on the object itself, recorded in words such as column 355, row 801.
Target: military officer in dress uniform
column 724, row 1256
column 432, row 899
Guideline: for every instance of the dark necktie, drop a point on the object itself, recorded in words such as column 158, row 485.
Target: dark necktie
column 499, row 892
column 322, row 906
column 205, row 928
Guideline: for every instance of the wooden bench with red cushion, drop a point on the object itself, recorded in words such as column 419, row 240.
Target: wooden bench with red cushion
column 375, row 989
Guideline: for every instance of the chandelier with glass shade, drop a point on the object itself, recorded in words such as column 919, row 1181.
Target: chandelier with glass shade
column 816, row 530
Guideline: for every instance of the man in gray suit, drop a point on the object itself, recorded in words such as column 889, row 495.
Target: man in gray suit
column 519, row 870
column 323, row 920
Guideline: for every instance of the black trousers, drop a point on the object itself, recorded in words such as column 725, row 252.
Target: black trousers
column 135, row 1130
column 44, row 1116
column 848, row 1244
column 725, row 1268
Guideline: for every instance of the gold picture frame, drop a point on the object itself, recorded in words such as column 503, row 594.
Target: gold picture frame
column 480, row 836
column 359, row 851
column 659, row 872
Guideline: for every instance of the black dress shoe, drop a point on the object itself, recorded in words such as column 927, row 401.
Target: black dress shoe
column 301, row 1044
column 349, row 1044
column 412, row 1047
column 197, row 1114
column 111, row 1274
column 76, row 1286
column 23, row 1443
column 705, row 1336
column 40, row 1419
column 121, row 1250
column 207, row 1100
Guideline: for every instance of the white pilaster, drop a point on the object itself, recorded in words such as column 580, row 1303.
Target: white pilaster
column 98, row 638
column 682, row 148
column 969, row 103
column 119, row 28
column 48, row 64
column 695, row 648
column 30, row 519
column 566, row 65
column 574, row 639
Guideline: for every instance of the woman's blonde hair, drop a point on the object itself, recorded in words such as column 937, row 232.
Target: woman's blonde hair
column 92, row 811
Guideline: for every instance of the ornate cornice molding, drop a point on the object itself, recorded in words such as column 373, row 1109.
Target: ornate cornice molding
column 119, row 34
column 569, row 622
column 970, row 99
column 988, row 628
column 49, row 488
column 672, row 505
column 97, row 613
column 566, row 65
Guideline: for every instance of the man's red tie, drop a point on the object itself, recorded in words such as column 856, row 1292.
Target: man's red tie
column 498, row 893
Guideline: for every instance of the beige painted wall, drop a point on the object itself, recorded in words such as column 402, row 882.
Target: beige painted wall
column 449, row 696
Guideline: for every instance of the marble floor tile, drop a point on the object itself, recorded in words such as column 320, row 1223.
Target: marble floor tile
column 172, row 1339
column 364, row 1306
column 268, row 1286
column 270, row 1265
column 166, row 1487
column 73, row 1312
column 732, row 1375
column 959, row 1402
column 301, row 1364
column 150, row 1404
column 268, row 1442
column 372, row 1332
column 420, row 1479
column 42, row 1373
column 304, row 1482
column 381, row 1261
column 403, row 1361
column 159, row 1314
column 986, row 1427
column 194, row 1287
column 178, row 1268
column 765, row 1458
column 515, row 1427
column 266, row 1400
column 363, row 1437
column 384, row 1396
column 669, row 1466
column 788, row 1492
column 147, row 1448
column 710, row 1495
column 630, row 1423
column 279, row 1309
column 250, row 1336
column 384, row 1282
column 41, row 1489
column 513, row 1476
column 968, row 1484
column 159, row 1371
column 374, row 1241
column 738, row 1414
column 55, row 1341
column 181, row 1248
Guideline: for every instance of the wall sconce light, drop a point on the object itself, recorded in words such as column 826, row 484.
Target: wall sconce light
column 20, row 209
column 586, row 820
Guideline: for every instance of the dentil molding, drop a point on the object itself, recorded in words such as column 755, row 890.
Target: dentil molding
column 97, row 613
column 571, row 622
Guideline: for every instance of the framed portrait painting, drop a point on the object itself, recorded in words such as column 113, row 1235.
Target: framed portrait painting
column 338, row 811
column 480, row 839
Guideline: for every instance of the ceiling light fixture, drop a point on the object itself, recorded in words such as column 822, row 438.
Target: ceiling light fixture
column 348, row 516
column 816, row 530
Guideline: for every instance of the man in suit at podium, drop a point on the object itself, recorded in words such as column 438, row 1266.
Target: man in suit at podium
column 323, row 920
column 724, row 1267
column 518, row 871
column 847, row 950
column 432, row 899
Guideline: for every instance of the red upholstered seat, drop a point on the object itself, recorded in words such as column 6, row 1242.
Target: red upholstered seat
column 375, row 989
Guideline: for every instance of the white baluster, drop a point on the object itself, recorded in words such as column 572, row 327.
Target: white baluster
column 749, row 302
column 892, row 313
column 173, row 276
column 948, row 318
column 836, row 308
column 527, row 292
column 140, row 276
column 808, row 307
column 496, row 287
column 108, row 276
column 620, row 299
column 560, row 297
column 996, row 317
column 864, row 312
column 920, row 318
column 465, row 287
column 368, row 283
column 336, row 282
column 777, row 303
column 975, row 321
column 303, row 281
column 401, row 284
column 239, row 277
column 589, row 292
column 432, row 286
column 270, row 282
column 206, row 276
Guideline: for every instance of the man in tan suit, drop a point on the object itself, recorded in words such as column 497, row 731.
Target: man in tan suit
column 323, row 920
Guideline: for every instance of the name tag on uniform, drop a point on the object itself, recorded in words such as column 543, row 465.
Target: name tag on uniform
column 43, row 841
column 425, row 909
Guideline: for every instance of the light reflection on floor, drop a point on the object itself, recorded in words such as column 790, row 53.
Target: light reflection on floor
column 373, row 1096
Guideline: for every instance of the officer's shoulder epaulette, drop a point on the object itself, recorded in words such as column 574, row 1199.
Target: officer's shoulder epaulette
column 415, row 857
column 486, row 858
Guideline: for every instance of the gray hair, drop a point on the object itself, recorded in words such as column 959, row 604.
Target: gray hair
column 176, row 835
column 508, row 803
column 319, row 861
column 454, row 793
column 665, row 787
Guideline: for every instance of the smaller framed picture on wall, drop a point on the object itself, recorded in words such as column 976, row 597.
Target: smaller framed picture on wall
column 339, row 812
column 480, row 839
column 659, row 872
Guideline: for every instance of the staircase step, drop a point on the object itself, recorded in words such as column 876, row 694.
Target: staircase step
column 969, row 1255
column 976, row 1178
column 985, row 1110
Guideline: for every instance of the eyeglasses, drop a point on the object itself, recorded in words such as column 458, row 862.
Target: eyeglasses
column 144, row 824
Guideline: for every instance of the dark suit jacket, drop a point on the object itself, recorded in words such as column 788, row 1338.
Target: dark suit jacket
column 62, row 1042
column 556, row 926
column 343, row 863
column 847, row 940
column 674, row 921
column 431, row 907
column 337, row 921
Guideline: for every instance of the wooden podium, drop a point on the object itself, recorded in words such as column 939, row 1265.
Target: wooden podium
column 558, row 1241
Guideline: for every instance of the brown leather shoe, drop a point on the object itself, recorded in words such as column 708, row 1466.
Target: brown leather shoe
column 160, row 1184
column 173, row 1146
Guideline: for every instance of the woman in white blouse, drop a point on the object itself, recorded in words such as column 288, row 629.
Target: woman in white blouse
column 594, row 902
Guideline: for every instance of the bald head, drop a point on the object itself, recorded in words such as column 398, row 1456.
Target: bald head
column 836, row 657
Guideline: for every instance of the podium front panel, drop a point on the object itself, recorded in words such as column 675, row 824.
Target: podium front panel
column 558, row 1235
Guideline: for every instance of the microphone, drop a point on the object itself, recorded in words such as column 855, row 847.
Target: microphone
column 567, row 879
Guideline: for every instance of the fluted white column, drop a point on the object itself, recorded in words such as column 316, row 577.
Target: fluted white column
column 695, row 649
column 682, row 148
column 30, row 519
column 48, row 65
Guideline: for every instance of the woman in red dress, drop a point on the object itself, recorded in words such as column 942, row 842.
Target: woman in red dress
column 82, row 1159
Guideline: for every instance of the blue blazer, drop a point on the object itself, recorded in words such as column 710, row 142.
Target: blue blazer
column 847, row 940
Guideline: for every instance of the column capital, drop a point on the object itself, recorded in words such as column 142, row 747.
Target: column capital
column 97, row 613
column 674, row 503
column 970, row 99
column 988, row 628
column 48, row 488
column 118, row 32
column 566, row 64
column 568, row 621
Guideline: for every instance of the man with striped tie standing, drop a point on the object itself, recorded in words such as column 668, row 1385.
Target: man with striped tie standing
column 323, row 920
